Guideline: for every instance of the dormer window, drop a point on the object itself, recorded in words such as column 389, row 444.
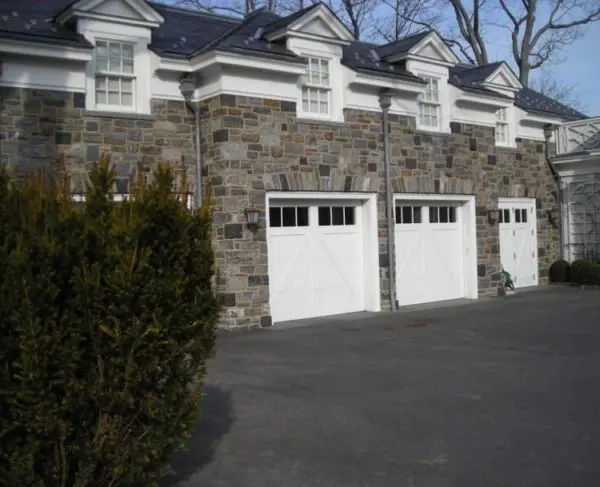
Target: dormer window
column 316, row 88
column 115, row 79
column 429, row 105
column 502, row 127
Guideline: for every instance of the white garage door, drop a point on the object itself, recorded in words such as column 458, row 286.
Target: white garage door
column 429, row 251
column 316, row 258
column 518, row 240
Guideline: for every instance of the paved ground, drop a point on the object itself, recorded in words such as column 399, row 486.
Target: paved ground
column 504, row 392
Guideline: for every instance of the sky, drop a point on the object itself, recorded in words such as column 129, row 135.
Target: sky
column 579, row 66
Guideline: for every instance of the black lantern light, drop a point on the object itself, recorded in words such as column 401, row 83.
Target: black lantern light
column 493, row 216
column 252, row 216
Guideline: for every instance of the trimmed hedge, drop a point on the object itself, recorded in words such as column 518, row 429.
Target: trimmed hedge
column 580, row 270
column 107, row 317
column 594, row 274
column 560, row 271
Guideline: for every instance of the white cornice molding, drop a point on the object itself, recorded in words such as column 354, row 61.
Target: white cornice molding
column 205, row 60
column 49, row 51
column 535, row 120
column 387, row 83
column 482, row 100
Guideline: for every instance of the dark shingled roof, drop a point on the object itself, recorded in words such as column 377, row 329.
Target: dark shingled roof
column 30, row 20
column 282, row 22
column 363, row 58
column 401, row 46
column 185, row 33
column 533, row 101
column 469, row 78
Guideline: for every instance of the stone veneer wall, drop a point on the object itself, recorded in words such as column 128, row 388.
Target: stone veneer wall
column 253, row 145
column 38, row 126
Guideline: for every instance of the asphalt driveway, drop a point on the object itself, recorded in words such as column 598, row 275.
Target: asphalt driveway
column 503, row 392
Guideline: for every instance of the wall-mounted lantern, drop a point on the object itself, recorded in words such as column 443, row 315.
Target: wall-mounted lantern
column 493, row 216
column 252, row 216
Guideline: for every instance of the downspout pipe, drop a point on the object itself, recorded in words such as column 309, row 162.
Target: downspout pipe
column 385, row 101
column 187, row 86
column 548, row 131
column 198, row 161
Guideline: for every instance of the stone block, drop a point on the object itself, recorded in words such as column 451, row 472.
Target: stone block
column 234, row 230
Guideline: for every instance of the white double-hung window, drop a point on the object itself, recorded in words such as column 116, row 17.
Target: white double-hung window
column 429, row 105
column 316, row 88
column 114, row 78
column 502, row 127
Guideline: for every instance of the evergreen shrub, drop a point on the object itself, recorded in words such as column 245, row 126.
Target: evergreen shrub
column 107, row 318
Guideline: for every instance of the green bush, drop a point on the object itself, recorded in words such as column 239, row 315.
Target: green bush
column 594, row 274
column 559, row 271
column 580, row 270
column 107, row 317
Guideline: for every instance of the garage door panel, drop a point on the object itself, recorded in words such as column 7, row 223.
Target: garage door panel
column 518, row 242
column 293, row 270
column 318, row 272
column 336, row 257
column 429, row 246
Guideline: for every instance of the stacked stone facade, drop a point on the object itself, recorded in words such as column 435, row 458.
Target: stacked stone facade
column 254, row 145
column 251, row 146
column 40, row 126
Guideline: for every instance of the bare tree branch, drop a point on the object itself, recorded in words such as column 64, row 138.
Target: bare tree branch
column 539, row 29
column 548, row 85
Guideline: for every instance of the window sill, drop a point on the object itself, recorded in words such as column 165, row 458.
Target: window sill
column 127, row 115
column 319, row 121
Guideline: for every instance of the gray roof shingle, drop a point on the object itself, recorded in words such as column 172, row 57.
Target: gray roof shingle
column 185, row 33
column 401, row 46
column 469, row 78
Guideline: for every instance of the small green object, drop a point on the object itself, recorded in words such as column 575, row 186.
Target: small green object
column 507, row 281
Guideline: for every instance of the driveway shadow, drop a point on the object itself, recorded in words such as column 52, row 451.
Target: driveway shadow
column 215, row 422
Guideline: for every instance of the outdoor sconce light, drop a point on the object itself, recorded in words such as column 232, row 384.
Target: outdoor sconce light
column 493, row 216
column 553, row 216
column 187, row 86
column 252, row 215
column 548, row 131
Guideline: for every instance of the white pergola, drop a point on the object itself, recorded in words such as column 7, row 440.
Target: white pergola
column 577, row 162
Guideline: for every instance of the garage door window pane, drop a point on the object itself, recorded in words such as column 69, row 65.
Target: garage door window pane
column 349, row 215
column 517, row 216
column 337, row 215
column 417, row 214
column 433, row 214
column 275, row 216
column 289, row 217
column 302, row 216
column 408, row 214
column 452, row 214
column 443, row 214
column 324, row 216
column 506, row 216
column 524, row 216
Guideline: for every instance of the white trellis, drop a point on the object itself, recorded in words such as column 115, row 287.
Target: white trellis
column 583, row 219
